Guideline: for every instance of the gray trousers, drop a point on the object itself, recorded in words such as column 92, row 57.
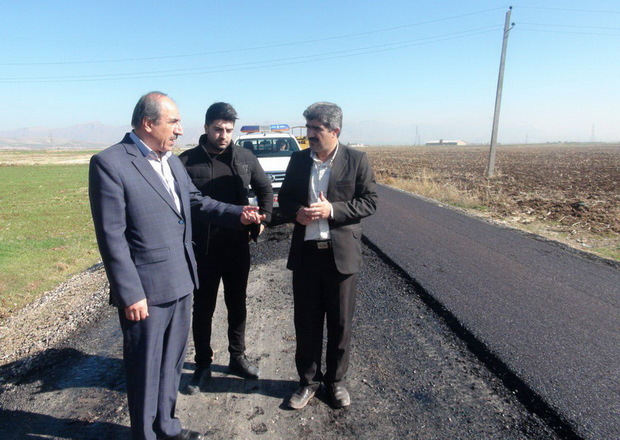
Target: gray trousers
column 153, row 353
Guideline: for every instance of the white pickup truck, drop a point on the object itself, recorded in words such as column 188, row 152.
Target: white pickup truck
column 273, row 145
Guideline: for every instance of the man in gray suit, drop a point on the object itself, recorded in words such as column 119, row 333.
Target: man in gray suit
column 141, row 201
column 327, row 190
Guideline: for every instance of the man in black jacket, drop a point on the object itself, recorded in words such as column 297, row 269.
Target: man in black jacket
column 224, row 172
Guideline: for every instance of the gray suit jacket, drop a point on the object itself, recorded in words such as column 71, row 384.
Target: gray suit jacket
column 352, row 193
column 144, row 242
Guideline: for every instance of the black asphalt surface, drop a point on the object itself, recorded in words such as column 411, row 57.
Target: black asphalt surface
column 547, row 314
column 410, row 377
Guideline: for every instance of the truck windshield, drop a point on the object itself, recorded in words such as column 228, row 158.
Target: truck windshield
column 268, row 147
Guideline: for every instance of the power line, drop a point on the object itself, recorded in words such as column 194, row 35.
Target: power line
column 568, row 10
column 249, row 49
column 302, row 59
column 571, row 26
column 548, row 31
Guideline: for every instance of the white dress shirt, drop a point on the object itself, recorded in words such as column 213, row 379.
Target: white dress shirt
column 161, row 167
column 319, row 182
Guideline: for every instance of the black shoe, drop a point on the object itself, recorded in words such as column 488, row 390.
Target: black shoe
column 338, row 395
column 302, row 396
column 241, row 366
column 186, row 434
column 199, row 378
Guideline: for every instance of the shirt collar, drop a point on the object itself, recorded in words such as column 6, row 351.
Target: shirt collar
column 145, row 149
column 328, row 162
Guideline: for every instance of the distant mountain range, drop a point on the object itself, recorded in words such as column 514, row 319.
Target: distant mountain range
column 91, row 135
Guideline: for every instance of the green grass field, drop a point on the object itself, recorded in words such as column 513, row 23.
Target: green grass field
column 46, row 233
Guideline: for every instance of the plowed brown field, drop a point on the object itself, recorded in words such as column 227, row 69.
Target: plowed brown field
column 569, row 193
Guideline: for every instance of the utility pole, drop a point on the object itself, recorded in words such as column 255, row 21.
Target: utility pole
column 498, row 96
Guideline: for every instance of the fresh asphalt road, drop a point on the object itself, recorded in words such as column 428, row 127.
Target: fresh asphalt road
column 550, row 315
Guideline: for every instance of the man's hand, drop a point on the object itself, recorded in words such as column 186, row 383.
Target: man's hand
column 304, row 216
column 322, row 208
column 138, row 311
column 251, row 215
column 316, row 211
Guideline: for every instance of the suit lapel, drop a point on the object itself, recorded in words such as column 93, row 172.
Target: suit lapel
column 178, row 172
column 338, row 167
column 146, row 170
column 304, row 171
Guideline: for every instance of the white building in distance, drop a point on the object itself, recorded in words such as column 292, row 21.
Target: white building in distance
column 442, row 142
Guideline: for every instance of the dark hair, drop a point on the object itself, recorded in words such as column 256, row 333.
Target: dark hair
column 327, row 113
column 149, row 107
column 220, row 110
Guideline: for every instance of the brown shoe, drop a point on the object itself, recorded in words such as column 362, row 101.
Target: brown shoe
column 338, row 395
column 302, row 396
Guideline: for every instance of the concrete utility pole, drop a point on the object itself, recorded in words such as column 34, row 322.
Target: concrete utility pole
column 498, row 96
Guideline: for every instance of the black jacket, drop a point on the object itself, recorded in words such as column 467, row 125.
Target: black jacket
column 246, row 170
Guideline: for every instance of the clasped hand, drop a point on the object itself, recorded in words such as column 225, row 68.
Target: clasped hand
column 138, row 311
column 251, row 215
column 316, row 211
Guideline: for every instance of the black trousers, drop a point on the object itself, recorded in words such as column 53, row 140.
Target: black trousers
column 228, row 262
column 153, row 354
column 322, row 294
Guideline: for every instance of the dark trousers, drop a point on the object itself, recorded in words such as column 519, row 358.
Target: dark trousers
column 230, row 263
column 321, row 293
column 153, row 353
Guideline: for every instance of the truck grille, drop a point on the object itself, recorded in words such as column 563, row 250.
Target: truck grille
column 276, row 177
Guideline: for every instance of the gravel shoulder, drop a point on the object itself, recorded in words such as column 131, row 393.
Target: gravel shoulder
column 409, row 376
column 57, row 315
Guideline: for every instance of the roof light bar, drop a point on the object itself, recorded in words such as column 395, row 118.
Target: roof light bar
column 277, row 128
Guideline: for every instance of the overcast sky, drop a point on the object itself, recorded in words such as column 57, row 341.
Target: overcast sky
column 397, row 68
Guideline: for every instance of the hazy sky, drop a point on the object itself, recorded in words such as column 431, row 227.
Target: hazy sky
column 396, row 67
